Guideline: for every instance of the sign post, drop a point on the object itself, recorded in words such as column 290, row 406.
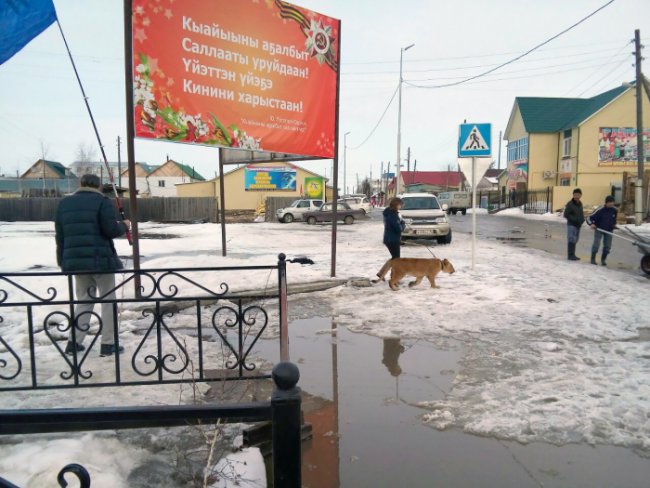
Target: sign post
column 475, row 143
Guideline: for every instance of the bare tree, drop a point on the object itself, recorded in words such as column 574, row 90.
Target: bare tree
column 84, row 158
column 366, row 187
column 44, row 148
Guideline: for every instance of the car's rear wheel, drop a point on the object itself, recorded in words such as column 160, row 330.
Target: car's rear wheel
column 454, row 211
column 348, row 220
column 311, row 220
column 288, row 218
column 464, row 211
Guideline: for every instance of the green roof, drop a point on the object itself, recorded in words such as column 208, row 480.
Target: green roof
column 542, row 114
column 189, row 171
column 56, row 167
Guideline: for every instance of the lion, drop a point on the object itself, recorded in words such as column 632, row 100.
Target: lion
column 419, row 268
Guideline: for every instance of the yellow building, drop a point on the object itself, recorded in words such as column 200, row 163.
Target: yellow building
column 248, row 186
column 574, row 142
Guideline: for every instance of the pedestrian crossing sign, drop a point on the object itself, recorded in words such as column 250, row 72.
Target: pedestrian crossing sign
column 475, row 140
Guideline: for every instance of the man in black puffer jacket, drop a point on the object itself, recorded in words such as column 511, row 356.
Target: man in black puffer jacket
column 575, row 217
column 85, row 227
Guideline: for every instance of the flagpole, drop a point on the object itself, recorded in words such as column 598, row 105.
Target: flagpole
column 99, row 140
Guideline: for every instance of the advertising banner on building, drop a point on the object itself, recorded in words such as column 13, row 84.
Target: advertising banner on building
column 617, row 146
column 255, row 75
column 517, row 173
column 314, row 187
column 269, row 179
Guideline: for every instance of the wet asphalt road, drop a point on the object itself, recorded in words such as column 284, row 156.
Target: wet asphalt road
column 549, row 236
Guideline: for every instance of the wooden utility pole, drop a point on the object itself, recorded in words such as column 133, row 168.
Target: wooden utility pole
column 638, row 194
column 499, row 157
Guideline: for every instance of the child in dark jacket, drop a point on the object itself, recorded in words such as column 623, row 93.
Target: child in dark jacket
column 603, row 218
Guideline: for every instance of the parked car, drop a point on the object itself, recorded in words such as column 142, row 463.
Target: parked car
column 357, row 202
column 326, row 212
column 456, row 201
column 425, row 217
column 297, row 209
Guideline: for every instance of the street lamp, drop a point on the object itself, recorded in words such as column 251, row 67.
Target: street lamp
column 345, row 157
column 399, row 121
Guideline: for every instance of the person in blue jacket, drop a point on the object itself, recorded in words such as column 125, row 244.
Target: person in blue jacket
column 394, row 225
column 85, row 226
column 603, row 218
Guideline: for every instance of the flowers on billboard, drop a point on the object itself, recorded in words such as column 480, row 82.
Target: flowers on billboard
column 157, row 117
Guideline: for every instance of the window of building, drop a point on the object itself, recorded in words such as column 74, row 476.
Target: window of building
column 518, row 149
column 565, row 181
column 567, row 144
column 161, row 183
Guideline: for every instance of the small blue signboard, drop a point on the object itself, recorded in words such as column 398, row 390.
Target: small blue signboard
column 474, row 140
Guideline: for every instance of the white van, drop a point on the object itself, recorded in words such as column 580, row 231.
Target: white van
column 456, row 201
column 425, row 218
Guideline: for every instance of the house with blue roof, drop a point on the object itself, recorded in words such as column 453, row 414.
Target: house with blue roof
column 574, row 142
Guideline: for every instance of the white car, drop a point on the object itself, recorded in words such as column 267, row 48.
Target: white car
column 296, row 210
column 425, row 218
column 357, row 202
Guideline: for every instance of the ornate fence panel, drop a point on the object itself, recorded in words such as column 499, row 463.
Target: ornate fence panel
column 219, row 328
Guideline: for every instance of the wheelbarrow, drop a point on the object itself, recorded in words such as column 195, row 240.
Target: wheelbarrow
column 637, row 240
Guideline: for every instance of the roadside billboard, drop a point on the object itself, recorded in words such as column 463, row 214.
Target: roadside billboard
column 617, row 146
column 255, row 75
column 315, row 187
column 269, row 179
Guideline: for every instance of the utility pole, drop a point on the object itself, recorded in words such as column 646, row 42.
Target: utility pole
column 499, row 157
column 398, row 162
column 119, row 163
column 638, row 195
column 408, row 159
column 381, row 177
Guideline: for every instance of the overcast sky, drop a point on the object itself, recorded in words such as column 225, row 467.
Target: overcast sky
column 40, row 102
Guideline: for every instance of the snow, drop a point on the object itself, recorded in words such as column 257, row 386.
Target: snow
column 519, row 212
column 244, row 469
column 553, row 351
column 478, row 211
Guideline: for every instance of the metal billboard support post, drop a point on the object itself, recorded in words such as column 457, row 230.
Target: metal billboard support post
column 335, row 198
column 222, row 203
column 130, row 137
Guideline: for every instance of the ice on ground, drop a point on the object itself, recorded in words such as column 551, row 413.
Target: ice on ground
column 553, row 351
column 243, row 469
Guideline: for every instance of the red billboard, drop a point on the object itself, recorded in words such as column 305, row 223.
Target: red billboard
column 249, row 74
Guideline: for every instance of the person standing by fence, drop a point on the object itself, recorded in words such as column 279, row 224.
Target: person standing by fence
column 603, row 218
column 85, row 226
column 575, row 217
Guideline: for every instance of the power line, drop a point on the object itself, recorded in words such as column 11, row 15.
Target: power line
column 525, row 70
column 457, row 68
column 521, row 55
column 474, row 56
column 378, row 122
column 600, row 67
column 603, row 78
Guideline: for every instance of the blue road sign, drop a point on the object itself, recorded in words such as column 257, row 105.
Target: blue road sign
column 474, row 140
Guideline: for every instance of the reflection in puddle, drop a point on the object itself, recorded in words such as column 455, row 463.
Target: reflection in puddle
column 361, row 399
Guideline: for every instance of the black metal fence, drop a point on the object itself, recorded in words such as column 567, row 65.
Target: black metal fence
column 532, row 201
column 219, row 330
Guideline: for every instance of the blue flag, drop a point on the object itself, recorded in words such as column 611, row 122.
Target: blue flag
column 20, row 22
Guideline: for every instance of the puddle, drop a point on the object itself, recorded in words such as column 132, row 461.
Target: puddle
column 146, row 235
column 367, row 430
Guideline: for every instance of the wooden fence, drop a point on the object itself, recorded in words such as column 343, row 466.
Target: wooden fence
column 275, row 203
column 173, row 209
